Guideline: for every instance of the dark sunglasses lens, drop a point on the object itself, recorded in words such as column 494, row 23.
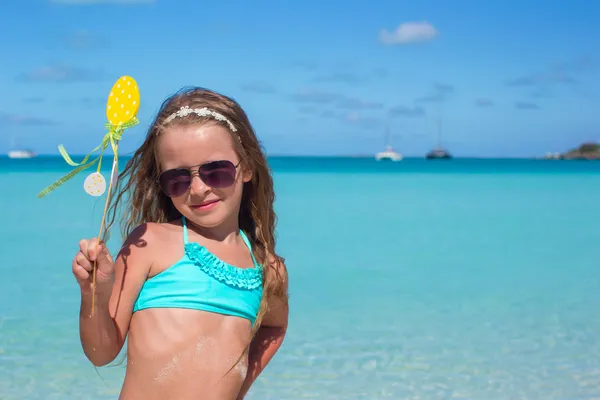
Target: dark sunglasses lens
column 175, row 182
column 218, row 174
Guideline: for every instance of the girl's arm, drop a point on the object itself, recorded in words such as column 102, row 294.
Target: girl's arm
column 103, row 335
column 270, row 335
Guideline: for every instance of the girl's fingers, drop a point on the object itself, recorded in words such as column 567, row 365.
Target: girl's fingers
column 81, row 260
column 80, row 273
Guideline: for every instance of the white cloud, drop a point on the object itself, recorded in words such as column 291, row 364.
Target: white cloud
column 85, row 2
column 61, row 73
column 18, row 119
column 83, row 39
column 353, row 116
column 409, row 32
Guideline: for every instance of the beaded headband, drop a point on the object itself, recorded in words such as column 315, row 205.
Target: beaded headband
column 202, row 112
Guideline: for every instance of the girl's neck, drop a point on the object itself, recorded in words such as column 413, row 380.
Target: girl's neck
column 227, row 232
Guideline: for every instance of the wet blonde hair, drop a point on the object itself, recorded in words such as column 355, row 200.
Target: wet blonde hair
column 139, row 199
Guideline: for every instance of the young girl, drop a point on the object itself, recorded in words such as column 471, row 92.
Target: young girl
column 197, row 286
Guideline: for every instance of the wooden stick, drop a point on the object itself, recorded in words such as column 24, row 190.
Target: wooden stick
column 100, row 234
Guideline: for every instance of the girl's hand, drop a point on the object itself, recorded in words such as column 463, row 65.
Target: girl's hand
column 90, row 250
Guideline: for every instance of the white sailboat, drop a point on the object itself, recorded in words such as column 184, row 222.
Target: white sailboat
column 19, row 153
column 389, row 153
column 23, row 153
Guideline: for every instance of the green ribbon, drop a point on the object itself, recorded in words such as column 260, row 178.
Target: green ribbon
column 111, row 137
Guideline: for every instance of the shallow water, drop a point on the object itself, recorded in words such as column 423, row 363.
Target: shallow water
column 463, row 280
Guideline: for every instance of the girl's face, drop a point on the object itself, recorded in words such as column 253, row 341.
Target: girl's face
column 202, row 173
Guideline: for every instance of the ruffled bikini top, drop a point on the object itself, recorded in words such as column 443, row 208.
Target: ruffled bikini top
column 201, row 281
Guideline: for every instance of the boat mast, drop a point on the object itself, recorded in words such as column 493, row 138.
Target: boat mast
column 438, row 140
column 388, row 136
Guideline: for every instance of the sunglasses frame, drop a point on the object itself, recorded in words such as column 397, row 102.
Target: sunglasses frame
column 196, row 168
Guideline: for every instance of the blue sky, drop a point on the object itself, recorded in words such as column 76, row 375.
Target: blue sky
column 506, row 77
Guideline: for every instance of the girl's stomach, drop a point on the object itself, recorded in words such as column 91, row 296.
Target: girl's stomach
column 185, row 354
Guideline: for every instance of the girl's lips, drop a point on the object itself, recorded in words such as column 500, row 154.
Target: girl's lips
column 206, row 205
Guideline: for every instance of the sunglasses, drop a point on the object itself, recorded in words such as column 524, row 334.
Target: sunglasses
column 216, row 174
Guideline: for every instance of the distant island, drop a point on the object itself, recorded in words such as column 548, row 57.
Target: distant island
column 587, row 151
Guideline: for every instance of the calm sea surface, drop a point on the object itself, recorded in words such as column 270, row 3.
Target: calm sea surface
column 463, row 279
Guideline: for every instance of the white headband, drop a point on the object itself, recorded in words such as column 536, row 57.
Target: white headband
column 202, row 112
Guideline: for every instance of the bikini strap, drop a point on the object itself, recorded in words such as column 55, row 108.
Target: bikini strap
column 247, row 241
column 244, row 238
column 185, row 232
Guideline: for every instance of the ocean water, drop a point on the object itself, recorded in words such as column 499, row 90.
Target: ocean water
column 462, row 279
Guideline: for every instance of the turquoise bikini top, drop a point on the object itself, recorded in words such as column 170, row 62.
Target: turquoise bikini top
column 201, row 281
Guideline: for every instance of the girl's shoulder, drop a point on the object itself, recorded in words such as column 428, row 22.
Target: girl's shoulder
column 152, row 235
column 162, row 228
column 151, row 244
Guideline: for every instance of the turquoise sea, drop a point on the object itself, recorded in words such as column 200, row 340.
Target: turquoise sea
column 462, row 279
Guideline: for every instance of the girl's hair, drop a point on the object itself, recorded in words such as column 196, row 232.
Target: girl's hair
column 138, row 183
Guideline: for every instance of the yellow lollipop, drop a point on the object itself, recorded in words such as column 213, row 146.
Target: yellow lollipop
column 123, row 101
column 121, row 111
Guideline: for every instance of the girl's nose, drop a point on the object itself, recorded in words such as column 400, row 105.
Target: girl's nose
column 198, row 187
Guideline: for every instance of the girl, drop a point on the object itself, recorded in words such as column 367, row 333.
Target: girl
column 197, row 286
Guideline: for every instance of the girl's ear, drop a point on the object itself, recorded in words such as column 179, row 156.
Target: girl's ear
column 246, row 174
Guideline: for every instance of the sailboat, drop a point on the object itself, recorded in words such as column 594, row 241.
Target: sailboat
column 438, row 152
column 19, row 153
column 22, row 153
column 389, row 153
